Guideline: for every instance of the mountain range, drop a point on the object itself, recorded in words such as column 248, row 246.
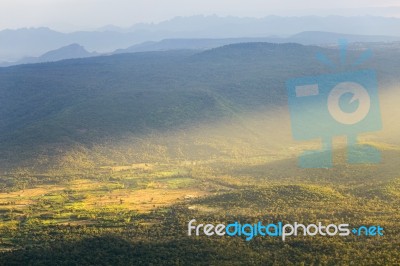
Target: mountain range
column 307, row 38
column 67, row 52
column 49, row 108
column 33, row 42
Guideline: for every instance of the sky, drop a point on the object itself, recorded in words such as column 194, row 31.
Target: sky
column 70, row 15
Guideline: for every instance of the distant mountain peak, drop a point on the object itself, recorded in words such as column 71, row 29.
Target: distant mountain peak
column 70, row 51
column 73, row 49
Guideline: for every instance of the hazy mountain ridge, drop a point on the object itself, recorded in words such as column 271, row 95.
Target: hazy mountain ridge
column 276, row 25
column 71, row 51
column 16, row 44
column 305, row 38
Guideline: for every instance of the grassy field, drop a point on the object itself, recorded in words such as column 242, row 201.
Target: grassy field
column 141, row 210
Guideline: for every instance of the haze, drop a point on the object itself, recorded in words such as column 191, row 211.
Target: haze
column 70, row 15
